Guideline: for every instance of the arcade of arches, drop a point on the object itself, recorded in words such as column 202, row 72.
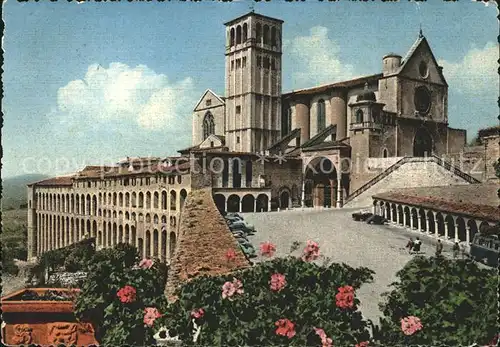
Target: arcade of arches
column 444, row 225
column 242, row 202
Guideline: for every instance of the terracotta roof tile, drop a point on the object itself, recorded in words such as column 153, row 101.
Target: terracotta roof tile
column 204, row 238
column 55, row 181
column 471, row 199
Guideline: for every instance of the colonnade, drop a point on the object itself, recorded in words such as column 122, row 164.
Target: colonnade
column 452, row 227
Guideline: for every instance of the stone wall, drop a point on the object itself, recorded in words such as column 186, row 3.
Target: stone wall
column 408, row 175
column 204, row 239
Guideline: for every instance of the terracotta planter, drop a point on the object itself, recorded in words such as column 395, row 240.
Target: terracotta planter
column 43, row 322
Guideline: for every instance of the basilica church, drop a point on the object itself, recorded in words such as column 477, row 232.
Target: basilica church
column 315, row 146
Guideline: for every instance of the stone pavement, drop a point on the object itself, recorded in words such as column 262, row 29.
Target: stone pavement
column 378, row 247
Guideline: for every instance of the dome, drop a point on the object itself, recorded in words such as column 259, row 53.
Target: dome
column 366, row 95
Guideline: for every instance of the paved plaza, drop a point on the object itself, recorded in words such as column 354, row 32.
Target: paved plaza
column 378, row 247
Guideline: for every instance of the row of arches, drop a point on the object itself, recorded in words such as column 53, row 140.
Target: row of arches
column 440, row 224
column 264, row 34
column 245, row 203
column 88, row 204
column 57, row 231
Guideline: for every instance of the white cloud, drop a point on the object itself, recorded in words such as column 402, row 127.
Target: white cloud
column 315, row 59
column 122, row 93
column 476, row 73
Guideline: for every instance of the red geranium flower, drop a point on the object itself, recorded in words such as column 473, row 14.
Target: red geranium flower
column 311, row 251
column 230, row 254
column 325, row 340
column 345, row 297
column 285, row 328
column 126, row 294
column 410, row 325
column 362, row 344
column 278, row 282
column 267, row 249
column 150, row 314
column 199, row 313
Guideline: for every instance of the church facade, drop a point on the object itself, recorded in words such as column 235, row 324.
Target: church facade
column 257, row 148
column 326, row 134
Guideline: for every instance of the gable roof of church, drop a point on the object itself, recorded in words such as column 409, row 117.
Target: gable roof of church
column 420, row 41
column 208, row 91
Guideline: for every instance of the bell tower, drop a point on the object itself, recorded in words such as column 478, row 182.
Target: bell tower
column 253, row 82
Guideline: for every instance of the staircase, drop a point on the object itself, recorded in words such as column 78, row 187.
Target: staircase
column 419, row 165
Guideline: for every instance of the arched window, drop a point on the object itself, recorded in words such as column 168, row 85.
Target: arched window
column 258, row 33
column 238, row 34
column 273, row 36
column 208, row 125
column 359, row 116
column 245, row 32
column 384, row 153
column 232, row 37
column 321, row 115
column 266, row 34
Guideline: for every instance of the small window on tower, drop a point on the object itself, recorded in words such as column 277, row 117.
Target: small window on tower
column 232, row 64
column 237, row 139
column 238, row 63
column 273, row 64
column 238, row 109
column 208, row 102
column 259, row 61
column 211, row 143
column 266, row 63
column 244, row 61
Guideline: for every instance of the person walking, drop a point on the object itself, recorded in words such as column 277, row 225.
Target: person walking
column 439, row 248
column 416, row 245
column 456, row 250
column 410, row 245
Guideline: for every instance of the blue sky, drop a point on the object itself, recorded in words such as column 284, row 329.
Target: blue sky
column 92, row 83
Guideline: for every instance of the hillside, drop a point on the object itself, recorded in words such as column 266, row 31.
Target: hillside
column 14, row 190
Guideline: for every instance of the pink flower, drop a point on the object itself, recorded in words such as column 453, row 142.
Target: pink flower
column 362, row 344
column 230, row 254
column 127, row 294
column 311, row 251
column 199, row 313
column 145, row 263
column 267, row 249
column 150, row 314
column 285, row 328
column 410, row 325
column 325, row 340
column 231, row 288
column 278, row 282
column 345, row 297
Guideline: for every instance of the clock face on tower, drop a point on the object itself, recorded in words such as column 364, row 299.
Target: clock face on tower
column 422, row 99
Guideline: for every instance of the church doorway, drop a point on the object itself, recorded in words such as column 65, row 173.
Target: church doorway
column 422, row 143
column 321, row 183
column 284, row 199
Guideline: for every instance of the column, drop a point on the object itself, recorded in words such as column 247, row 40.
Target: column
column 374, row 209
column 397, row 215
column 411, row 220
column 419, row 221
column 445, row 227
column 427, row 224
column 255, row 204
column 225, row 203
column 339, row 191
column 303, row 194
column 268, row 203
column 436, row 231
column 241, row 205
column 455, row 226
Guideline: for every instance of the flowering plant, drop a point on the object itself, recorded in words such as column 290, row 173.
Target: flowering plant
column 439, row 301
column 123, row 297
column 280, row 302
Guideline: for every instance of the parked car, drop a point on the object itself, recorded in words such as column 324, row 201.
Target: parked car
column 247, row 225
column 376, row 219
column 361, row 216
column 248, row 250
column 485, row 249
column 234, row 214
column 241, row 227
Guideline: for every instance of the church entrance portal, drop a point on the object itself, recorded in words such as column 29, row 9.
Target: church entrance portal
column 321, row 183
column 422, row 143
